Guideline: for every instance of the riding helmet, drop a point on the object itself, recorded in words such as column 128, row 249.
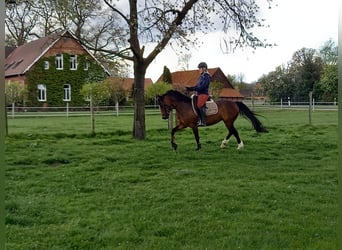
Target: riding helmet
column 202, row 65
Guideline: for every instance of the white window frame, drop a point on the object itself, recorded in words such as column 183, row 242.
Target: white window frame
column 42, row 97
column 67, row 92
column 73, row 62
column 86, row 66
column 59, row 61
column 46, row 65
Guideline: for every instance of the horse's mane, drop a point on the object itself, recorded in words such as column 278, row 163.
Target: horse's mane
column 178, row 95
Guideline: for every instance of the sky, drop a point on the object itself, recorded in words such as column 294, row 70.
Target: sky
column 294, row 24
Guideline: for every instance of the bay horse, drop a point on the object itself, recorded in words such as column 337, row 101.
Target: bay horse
column 228, row 111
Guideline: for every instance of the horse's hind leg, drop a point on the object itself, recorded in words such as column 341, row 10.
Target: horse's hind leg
column 236, row 134
column 232, row 131
column 226, row 140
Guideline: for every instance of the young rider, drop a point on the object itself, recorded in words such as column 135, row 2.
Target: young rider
column 202, row 91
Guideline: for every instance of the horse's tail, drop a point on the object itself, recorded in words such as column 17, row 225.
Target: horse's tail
column 247, row 113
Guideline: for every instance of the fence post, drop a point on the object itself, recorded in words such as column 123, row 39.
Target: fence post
column 281, row 103
column 67, row 109
column 13, row 107
column 92, row 118
column 310, row 106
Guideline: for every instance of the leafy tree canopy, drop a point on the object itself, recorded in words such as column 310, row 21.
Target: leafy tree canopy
column 308, row 70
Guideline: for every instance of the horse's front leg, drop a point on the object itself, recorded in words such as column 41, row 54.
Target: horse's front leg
column 196, row 134
column 173, row 143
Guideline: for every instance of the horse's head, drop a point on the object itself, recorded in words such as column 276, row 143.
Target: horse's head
column 165, row 106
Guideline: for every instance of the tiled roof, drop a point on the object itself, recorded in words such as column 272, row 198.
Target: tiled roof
column 21, row 59
column 182, row 79
column 228, row 92
column 190, row 77
column 24, row 56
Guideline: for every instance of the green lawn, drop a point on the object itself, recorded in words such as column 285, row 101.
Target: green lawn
column 66, row 189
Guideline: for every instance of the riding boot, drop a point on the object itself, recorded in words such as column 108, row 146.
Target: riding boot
column 201, row 121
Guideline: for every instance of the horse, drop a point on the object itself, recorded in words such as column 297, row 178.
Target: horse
column 228, row 111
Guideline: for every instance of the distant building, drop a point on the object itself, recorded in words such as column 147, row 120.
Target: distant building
column 53, row 68
column 127, row 84
column 182, row 79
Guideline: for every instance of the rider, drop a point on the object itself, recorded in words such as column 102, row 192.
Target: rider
column 202, row 91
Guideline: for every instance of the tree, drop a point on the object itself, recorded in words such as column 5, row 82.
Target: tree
column 232, row 79
column 167, row 76
column 306, row 68
column 160, row 21
column 215, row 89
column 183, row 61
column 329, row 52
column 156, row 89
column 116, row 89
column 95, row 93
column 278, row 84
column 15, row 92
column 309, row 70
column 327, row 89
column 20, row 22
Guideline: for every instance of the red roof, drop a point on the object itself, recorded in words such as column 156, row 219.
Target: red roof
column 24, row 56
column 21, row 59
column 228, row 92
column 182, row 79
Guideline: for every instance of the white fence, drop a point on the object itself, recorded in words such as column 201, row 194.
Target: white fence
column 76, row 111
column 259, row 104
column 153, row 109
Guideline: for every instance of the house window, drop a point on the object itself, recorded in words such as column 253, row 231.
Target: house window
column 46, row 64
column 86, row 66
column 41, row 92
column 59, row 61
column 67, row 92
column 73, row 62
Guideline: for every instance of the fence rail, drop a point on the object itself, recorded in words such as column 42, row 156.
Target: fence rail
column 76, row 111
column 151, row 109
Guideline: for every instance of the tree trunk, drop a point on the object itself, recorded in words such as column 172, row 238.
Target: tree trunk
column 139, row 130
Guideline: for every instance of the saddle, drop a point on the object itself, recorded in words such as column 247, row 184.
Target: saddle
column 211, row 106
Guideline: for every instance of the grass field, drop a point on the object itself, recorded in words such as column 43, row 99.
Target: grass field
column 67, row 189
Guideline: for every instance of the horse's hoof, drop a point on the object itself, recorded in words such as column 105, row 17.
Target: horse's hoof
column 224, row 143
column 199, row 147
column 240, row 145
column 174, row 146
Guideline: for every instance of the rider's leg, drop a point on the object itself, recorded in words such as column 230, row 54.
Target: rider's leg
column 201, row 106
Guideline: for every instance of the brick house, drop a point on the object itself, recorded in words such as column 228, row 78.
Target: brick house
column 53, row 69
column 182, row 79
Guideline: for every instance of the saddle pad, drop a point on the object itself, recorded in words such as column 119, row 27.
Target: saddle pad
column 212, row 108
